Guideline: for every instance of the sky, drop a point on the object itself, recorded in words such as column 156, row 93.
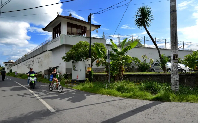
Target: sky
column 21, row 31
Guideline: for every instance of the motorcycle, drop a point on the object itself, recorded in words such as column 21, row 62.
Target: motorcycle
column 53, row 87
column 32, row 80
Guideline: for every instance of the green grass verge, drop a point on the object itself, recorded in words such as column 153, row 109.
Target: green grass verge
column 138, row 73
column 145, row 90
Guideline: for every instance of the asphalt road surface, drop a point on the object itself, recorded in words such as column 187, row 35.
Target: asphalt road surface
column 19, row 104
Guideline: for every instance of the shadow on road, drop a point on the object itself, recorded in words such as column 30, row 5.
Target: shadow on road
column 131, row 112
column 43, row 114
column 30, row 117
column 71, row 95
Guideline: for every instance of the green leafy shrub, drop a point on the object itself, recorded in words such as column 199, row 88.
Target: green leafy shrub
column 143, row 67
column 191, row 60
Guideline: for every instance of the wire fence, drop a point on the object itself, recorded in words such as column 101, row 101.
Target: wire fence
column 161, row 42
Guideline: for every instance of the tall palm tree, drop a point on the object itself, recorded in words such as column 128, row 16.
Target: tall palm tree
column 143, row 19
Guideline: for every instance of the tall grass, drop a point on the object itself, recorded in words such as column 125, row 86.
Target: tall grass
column 144, row 90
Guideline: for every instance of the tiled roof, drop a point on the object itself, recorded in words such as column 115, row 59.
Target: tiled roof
column 74, row 19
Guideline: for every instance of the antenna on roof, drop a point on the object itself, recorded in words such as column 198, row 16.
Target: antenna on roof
column 70, row 14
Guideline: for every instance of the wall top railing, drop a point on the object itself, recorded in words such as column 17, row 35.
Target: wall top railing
column 42, row 44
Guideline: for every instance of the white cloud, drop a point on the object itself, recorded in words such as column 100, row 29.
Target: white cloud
column 93, row 21
column 104, row 28
column 126, row 27
column 183, row 5
column 39, row 19
column 143, row 33
column 74, row 14
column 14, row 33
column 96, row 36
column 14, row 52
column 13, row 30
column 39, row 30
column 190, row 33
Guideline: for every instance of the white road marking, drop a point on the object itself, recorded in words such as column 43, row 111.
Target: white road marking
column 47, row 105
column 43, row 85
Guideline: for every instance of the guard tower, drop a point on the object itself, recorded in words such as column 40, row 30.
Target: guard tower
column 69, row 25
column 8, row 65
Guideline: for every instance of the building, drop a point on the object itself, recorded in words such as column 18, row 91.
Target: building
column 8, row 65
column 66, row 32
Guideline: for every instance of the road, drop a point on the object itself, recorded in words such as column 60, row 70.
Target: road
column 18, row 104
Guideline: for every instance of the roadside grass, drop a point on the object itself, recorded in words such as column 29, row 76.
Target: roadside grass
column 135, row 73
column 144, row 73
column 146, row 90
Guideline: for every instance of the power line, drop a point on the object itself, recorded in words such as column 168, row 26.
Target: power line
column 109, row 7
column 2, row 5
column 122, row 17
column 99, row 12
column 37, row 7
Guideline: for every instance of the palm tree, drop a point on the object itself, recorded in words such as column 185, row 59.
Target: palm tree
column 143, row 19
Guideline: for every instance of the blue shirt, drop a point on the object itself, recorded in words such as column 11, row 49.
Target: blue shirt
column 31, row 72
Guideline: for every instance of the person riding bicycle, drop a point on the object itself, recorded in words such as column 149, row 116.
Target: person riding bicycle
column 54, row 73
column 31, row 72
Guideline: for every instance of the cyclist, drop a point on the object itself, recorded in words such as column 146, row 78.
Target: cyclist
column 54, row 73
column 31, row 72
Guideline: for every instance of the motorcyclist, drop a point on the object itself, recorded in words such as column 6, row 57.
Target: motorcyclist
column 31, row 72
column 54, row 77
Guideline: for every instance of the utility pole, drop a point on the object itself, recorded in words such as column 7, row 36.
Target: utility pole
column 174, row 46
column 103, row 35
column 1, row 7
column 165, row 43
column 155, row 39
column 183, row 45
column 90, row 73
column 108, row 57
column 118, row 40
column 144, row 41
column 132, row 38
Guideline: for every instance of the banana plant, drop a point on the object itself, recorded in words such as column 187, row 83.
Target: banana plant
column 118, row 58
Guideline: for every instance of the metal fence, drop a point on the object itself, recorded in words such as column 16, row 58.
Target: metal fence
column 36, row 51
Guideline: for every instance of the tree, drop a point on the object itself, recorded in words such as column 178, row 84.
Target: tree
column 80, row 52
column 130, row 41
column 143, row 19
column 191, row 60
column 118, row 58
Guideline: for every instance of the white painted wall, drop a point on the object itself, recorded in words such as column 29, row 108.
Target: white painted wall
column 63, row 27
column 8, row 66
column 152, row 52
column 72, row 40
column 57, row 55
column 54, row 43
column 64, row 43
column 38, row 63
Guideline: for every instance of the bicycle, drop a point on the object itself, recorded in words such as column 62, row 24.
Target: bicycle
column 53, row 87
